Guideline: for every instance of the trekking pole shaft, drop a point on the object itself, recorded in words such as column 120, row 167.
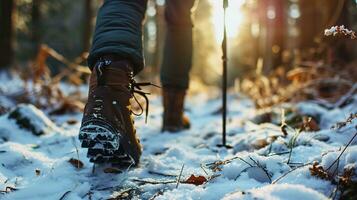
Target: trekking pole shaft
column 224, row 78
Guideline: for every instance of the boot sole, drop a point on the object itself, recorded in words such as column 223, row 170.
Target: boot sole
column 103, row 146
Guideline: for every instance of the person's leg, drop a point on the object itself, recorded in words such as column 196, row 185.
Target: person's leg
column 177, row 62
column 107, row 128
column 119, row 31
column 177, row 59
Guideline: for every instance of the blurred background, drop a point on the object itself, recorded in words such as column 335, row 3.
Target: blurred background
column 272, row 43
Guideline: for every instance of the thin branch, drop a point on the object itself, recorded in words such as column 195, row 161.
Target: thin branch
column 77, row 151
column 282, row 176
column 154, row 182
column 179, row 177
column 229, row 161
column 344, row 149
column 278, row 153
column 159, row 193
column 161, row 174
column 263, row 168
column 201, row 165
column 64, row 195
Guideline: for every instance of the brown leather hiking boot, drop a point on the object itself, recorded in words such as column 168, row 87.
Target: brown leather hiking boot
column 107, row 128
column 174, row 120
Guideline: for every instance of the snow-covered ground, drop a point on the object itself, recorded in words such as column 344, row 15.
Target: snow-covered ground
column 37, row 167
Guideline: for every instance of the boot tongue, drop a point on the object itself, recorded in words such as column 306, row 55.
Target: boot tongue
column 111, row 76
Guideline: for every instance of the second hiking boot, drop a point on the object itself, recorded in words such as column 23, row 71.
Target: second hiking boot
column 174, row 119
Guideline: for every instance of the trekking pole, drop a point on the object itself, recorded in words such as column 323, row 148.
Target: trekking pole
column 224, row 78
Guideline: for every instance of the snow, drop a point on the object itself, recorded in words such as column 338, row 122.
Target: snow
column 279, row 192
column 335, row 30
column 38, row 167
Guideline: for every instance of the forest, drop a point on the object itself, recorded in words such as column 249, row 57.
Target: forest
column 231, row 99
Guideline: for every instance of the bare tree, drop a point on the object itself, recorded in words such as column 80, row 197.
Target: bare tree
column 7, row 32
column 36, row 24
column 87, row 24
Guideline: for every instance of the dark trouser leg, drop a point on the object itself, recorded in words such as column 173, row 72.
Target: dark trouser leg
column 119, row 31
column 176, row 64
column 177, row 60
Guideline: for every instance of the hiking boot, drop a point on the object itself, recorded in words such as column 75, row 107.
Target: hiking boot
column 174, row 120
column 107, row 128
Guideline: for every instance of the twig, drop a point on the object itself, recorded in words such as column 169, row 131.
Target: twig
column 344, row 149
column 279, row 153
column 89, row 194
column 292, row 144
column 161, row 174
column 335, row 191
column 346, row 97
column 161, row 192
column 295, row 163
column 229, row 161
column 179, row 177
column 244, row 170
column 93, row 169
column 154, row 182
column 283, row 126
column 75, row 146
column 270, row 148
column 335, row 172
column 282, row 176
column 263, row 168
column 201, row 165
column 64, row 195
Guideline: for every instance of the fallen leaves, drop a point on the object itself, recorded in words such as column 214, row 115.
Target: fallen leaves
column 196, row 180
column 261, row 143
column 76, row 163
column 318, row 171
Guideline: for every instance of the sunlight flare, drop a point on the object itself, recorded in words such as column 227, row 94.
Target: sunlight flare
column 235, row 18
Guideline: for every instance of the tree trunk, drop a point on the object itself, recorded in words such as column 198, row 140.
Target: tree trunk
column 6, row 32
column 36, row 24
column 309, row 23
column 88, row 24
column 344, row 47
column 279, row 29
column 274, row 15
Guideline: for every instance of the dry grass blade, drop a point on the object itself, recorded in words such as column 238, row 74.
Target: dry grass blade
column 288, row 172
column 343, row 151
column 64, row 195
column 179, row 176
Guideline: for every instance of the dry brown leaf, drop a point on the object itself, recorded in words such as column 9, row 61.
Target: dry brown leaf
column 72, row 121
column 310, row 124
column 68, row 106
column 196, row 180
column 258, row 144
column 318, row 171
column 76, row 163
column 346, row 178
column 40, row 67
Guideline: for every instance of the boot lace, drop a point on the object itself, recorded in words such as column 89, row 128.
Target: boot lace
column 135, row 88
